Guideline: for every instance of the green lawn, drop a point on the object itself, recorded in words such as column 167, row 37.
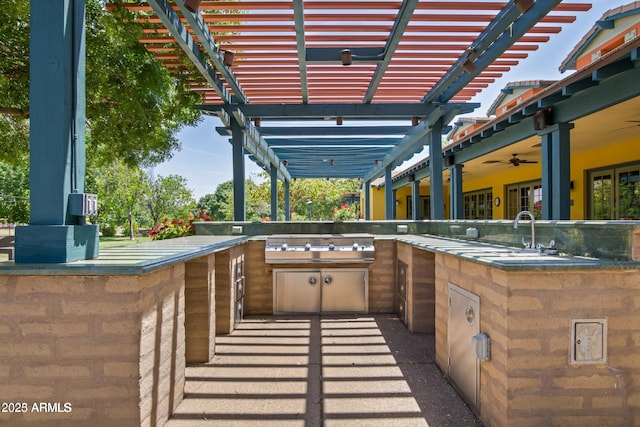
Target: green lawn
column 108, row 242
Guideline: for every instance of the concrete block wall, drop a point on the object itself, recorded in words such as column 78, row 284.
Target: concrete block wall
column 382, row 277
column 420, row 288
column 95, row 350
column 225, row 294
column 258, row 280
column 530, row 380
column 259, row 277
column 200, row 320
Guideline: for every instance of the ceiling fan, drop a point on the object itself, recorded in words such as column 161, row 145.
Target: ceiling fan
column 515, row 161
column 637, row 123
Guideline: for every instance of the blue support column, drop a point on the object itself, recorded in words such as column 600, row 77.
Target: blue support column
column 455, row 190
column 239, row 200
column 415, row 197
column 556, row 167
column 367, row 200
column 395, row 205
column 287, row 201
column 57, row 144
column 435, row 170
column 274, row 192
column 389, row 201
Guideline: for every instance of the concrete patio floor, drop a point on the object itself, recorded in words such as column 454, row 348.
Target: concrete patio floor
column 365, row 370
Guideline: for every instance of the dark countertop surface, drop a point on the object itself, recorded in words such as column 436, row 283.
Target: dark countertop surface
column 147, row 257
column 509, row 258
column 132, row 259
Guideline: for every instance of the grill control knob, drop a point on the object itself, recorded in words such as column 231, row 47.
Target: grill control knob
column 354, row 247
column 332, row 246
column 307, row 246
column 283, row 247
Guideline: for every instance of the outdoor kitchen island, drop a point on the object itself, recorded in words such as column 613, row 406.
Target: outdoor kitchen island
column 113, row 335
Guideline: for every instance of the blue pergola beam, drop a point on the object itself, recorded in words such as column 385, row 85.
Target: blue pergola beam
column 171, row 20
column 201, row 31
column 506, row 29
column 373, row 130
column 378, row 111
column 414, row 141
column 333, row 54
column 331, row 142
column 399, row 26
column 612, row 91
column 298, row 16
column 256, row 145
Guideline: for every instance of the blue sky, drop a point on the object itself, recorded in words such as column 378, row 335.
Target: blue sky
column 205, row 158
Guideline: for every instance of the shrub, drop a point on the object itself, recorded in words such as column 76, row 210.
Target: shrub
column 170, row 229
column 108, row 230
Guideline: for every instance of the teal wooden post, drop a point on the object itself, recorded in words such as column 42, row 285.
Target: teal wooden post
column 239, row 199
column 274, row 192
column 455, row 192
column 367, row 200
column 57, row 141
column 435, row 170
column 287, row 201
column 415, row 200
column 389, row 201
column 556, row 167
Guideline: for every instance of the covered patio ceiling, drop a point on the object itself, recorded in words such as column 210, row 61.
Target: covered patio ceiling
column 416, row 63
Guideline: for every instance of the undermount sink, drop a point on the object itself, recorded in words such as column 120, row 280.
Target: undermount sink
column 526, row 254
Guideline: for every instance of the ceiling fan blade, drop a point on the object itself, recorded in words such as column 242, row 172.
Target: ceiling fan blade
column 626, row 127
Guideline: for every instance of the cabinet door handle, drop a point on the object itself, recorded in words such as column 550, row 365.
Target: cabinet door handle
column 313, row 280
column 328, row 280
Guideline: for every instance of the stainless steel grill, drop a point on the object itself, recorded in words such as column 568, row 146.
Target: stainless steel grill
column 319, row 248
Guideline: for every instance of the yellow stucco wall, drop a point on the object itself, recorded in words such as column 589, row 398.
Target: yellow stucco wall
column 608, row 155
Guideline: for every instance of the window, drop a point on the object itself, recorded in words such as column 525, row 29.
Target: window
column 478, row 204
column 425, row 207
column 526, row 196
column 615, row 193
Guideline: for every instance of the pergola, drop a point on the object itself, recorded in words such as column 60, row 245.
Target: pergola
column 359, row 64
column 364, row 63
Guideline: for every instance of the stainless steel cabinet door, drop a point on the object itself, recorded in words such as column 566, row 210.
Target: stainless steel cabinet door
column 297, row 291
column 464, row 323
column 345, row 290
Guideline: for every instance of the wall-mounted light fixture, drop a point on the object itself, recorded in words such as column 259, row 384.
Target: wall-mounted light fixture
column 345, row 57
column 523, row 5
column 376, row 162
column 331, row 162
column 339, row 121
column 227, row 59
column 415, row 121
column 192, row 5
column 469, row 66
column 285, row 162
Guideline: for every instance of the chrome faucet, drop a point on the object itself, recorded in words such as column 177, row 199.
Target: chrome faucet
column 533, row 229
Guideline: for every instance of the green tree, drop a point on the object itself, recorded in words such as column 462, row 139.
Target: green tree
column 168, row 197
column 14, row 193
column 14, row 80
column 220, row 203
column 134, row 106
column 325, row 196
column 119, row 188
